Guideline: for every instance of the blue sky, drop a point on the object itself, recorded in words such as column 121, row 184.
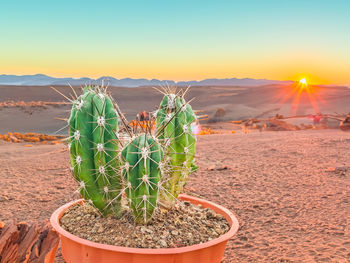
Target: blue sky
column 177, row 39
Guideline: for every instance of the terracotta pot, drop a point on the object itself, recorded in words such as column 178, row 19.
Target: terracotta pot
column 50, row 257
column 78, row 250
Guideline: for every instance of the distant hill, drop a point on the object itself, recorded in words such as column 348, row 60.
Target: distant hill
column 44, row 80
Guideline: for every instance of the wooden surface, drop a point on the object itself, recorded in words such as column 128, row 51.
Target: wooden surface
column 26, row 242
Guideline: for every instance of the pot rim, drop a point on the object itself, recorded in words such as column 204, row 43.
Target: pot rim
column 230, row 217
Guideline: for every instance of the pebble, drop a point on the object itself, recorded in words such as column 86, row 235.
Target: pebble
column 176, row 228
column 100, row 229
column 146, row 230
column 165, row 233
column 3, row 198
column 218, row 216
column 218, row 230
column 163, row 243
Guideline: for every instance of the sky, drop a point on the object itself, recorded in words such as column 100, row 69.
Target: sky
column 178, row 40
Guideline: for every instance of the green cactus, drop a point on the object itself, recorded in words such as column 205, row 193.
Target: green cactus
column 174, row 119
column 151, row 168
column 93, row 143
column 142, row 175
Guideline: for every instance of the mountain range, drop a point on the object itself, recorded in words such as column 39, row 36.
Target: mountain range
column 44, row 80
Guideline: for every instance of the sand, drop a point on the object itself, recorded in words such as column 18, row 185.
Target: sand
column 289, row 190
column 237, row 103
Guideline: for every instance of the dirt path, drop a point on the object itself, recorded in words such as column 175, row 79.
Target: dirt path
column 290, row 190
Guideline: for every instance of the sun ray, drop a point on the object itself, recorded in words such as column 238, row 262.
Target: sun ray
column 300, row 92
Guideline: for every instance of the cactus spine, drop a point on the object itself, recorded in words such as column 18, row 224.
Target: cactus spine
column 142, row 175
column 174, row 119
column 93, row 129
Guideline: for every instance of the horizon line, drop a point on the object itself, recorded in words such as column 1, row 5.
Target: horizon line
column 136, row 78
column 175, row 81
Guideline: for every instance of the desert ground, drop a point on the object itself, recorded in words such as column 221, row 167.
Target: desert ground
column 289, row 190
column 237, row 103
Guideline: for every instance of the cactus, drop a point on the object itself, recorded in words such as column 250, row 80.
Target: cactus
column 142, row 175
column 151, row 168
column 93, row 143
column 174, row 119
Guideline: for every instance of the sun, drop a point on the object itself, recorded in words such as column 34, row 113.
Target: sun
column 303, row 81
column 299, row 92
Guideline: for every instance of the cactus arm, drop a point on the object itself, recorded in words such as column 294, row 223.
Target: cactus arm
column 143, row 154
column 93, row 127
column 179, row 143
column 84, row 152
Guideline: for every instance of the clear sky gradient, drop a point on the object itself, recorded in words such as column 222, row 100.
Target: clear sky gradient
column 179, row 40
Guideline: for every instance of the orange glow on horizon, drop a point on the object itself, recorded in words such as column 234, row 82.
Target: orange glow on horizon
column 173, row 69
column 300, row 89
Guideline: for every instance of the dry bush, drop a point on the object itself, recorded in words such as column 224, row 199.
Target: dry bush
column 30, row 137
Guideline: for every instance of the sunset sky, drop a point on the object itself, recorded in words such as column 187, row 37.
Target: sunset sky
column 179, row 40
